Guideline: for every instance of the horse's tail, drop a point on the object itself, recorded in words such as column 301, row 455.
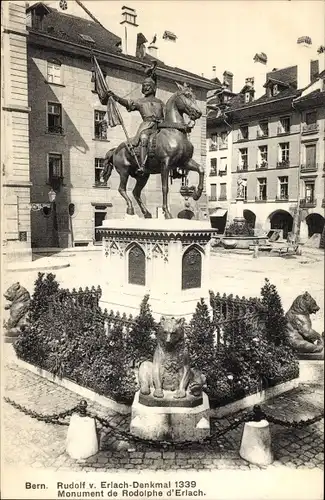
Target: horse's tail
column 108, row 165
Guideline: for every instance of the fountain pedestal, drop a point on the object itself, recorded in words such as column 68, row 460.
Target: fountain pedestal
column 167, row 259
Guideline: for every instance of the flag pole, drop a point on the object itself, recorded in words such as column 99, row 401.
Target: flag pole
column 125, row 131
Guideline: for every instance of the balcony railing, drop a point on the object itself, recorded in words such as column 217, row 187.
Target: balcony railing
column 310, row 129
column 242, row 138
column 223, row 198
column 262, row 166
column 282, row 197
column 308, row 203
column 212, row 198
column 213, row 146
column 323, row 202
column 309, row 167
column 223, row 172
column 55, row 129
column 242, row 168
column 283, row 164
column 213, row 172
column 261, row 199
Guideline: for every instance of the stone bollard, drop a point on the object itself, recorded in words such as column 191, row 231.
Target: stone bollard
column 82, row 441
column 256, row 445
column 255, row 254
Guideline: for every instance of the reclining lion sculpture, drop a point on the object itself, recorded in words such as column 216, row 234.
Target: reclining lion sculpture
column 300, row 334
column 19, row 299
column 170, row 369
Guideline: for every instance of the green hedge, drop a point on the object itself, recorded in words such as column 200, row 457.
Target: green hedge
column 71, row 337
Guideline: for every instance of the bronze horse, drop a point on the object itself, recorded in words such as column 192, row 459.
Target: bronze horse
column 173, row 151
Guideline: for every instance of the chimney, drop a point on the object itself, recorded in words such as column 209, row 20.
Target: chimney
column 228, row 79
column 167, row 49
column 304, row 44
column 129, row 36
column 260, row 70
column 152, row 48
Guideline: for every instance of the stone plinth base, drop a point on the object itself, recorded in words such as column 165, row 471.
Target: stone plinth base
column 311, row 370
column 256, row 443
column 166, row 259
column 168, row 400
column 170, row 423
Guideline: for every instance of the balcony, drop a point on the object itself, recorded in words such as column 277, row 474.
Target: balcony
column 308, row 168
column 283, row 164
column 213, row 172
column 242, row 168
column 312, row 128
column 213, row 146
column 212, row 198
column 260, row 199
column 282, row 197
column 223, row 198
column 262, row 166
column 223, row 172
column 308, row 203
column 55, row 129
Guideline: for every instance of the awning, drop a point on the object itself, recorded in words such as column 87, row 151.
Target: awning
column 218, row 212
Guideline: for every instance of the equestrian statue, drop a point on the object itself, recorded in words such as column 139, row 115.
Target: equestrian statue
column 161, row 145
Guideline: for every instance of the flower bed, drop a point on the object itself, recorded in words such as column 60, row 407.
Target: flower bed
column 240, row 353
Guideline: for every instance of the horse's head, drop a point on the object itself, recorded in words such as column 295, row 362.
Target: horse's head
column 186, row 102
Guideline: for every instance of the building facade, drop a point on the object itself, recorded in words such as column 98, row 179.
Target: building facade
column 15, row 176
column 67, row 136
column 278, row 150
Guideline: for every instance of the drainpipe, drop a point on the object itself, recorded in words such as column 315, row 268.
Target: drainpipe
column 297, row 215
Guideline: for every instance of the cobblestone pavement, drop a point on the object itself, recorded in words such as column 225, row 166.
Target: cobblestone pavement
column 40, row 445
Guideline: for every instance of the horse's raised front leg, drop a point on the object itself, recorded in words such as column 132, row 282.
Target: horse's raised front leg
column 196, row 167
column 122, row 190
column 140, row 184
column 164, row 183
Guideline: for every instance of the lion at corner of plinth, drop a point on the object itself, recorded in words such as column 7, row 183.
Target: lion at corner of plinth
column 300, row 334
column 170, row 369
column 19, row 303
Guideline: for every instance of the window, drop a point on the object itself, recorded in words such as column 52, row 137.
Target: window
column 284, row 150
column 87, row 38
column 247, row 97
column 53, row 72
column 311, row 118
column 275, row 90
column 245, row 189
column 263, row 129
column 54, row 118
column 223, row 140
column 284, row 127
column 283, row 188
column 55, row 166
column 99, row 165
column 100, row 125
column 243, row 132
column 213, row 142
column 262, row 189
column 243, row 159
column 213, row 166
column 310, row 191
column 262, row 156
column 223, row 166
column 213, row 195
column 223, row 191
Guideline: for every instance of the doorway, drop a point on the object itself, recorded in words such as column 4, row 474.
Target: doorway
column 100, row 216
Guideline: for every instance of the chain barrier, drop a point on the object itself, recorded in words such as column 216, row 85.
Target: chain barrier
column 256, row 415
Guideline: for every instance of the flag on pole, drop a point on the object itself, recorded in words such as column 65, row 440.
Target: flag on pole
column 113, row 116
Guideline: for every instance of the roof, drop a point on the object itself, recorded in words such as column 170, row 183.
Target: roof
column 69, row 28
column 284, row 75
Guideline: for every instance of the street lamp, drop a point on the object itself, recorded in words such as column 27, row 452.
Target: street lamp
column 52, row 195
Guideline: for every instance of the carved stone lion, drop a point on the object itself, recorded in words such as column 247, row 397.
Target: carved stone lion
column 170, row 369
column 299, row 330
column 19, row 299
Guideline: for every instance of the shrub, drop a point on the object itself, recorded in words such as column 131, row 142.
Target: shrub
column 70, row 336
